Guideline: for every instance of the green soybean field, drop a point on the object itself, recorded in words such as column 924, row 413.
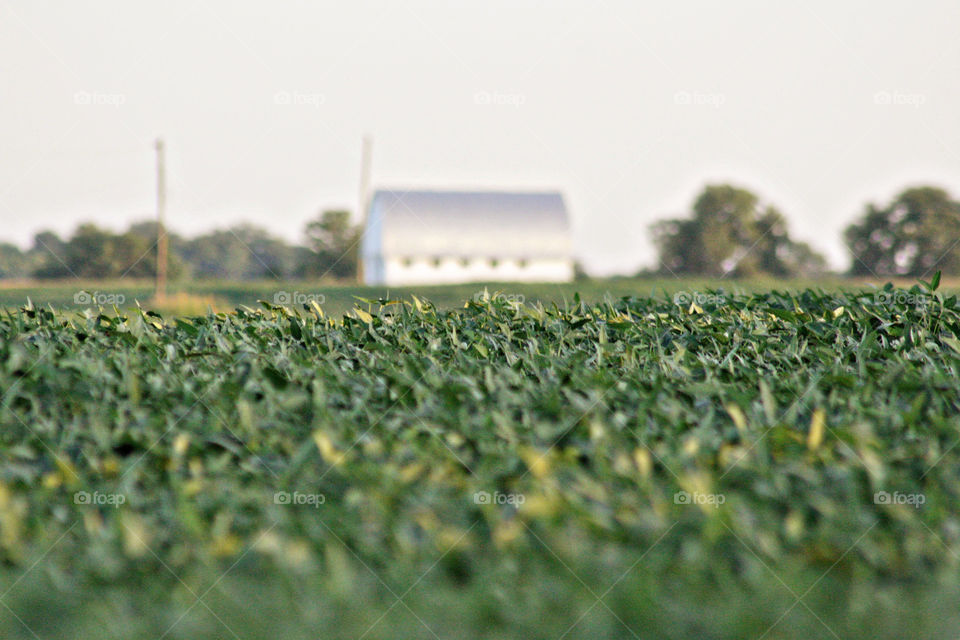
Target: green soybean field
column 775, row 464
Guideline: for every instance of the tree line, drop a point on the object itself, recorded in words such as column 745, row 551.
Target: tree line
column 245, row 252
column 731, row 232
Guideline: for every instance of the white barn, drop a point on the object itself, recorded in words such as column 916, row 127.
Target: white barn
column 446, row 237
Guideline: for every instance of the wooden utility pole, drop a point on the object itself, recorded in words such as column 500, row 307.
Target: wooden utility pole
column 366, row 154
column 161, row 292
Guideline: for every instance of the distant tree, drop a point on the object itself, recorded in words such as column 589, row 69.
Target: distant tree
column 48, row 241
column 14, row 263
column 268, row 257
column 47, row 255
column 579, row 273
column 731, row 233
column 915, row 234
column 243, row 252
column 134, row 256
column 143, row 235
column 334, row 246
column 90, row 252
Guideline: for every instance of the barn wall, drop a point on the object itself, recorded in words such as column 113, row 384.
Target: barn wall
column 371, row 249
column 402, row 271
column 520, row 237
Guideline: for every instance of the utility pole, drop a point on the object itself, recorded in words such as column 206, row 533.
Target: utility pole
column 366, row 155
column 161, row 292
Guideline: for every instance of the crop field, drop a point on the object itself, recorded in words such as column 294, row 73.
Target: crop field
column 724, row 466
column 194, row 297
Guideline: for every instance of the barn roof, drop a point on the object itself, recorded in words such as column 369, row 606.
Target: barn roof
column 470, row 224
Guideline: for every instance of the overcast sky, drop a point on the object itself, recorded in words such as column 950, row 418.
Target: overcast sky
column 629, row 108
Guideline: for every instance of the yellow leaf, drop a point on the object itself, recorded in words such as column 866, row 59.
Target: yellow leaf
column 180, row 444
column 373, row 447
column 363, row 315
column 136, row 535
column 67, row 470
column 507, row 532
column 539, row 506
column 92, row 521
column 732, row 454
column 622, row 465
column 451, row 539
column 642, row 458
column 740, row 420
column 268, row 542
column 13, row 511
column 793, row 525
column 411, row 472
column 109, row 466
column 296, row 553
column 326, row 448
column 192, row 488
column 537, row 462
column 597, row 430
column 225, row 545
column 52, row 480
column 817, row 424
column 426, row 519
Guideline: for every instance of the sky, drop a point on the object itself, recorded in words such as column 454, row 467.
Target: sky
column 628, row 108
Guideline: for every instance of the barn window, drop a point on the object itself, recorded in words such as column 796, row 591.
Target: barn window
column 524, row 263
column 464, row 262
column 494, row 263
column 408, row 262
column 437, row 262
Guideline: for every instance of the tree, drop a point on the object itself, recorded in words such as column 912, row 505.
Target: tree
column 244, row 252
column 913, row 235
column 48, row 250
column 334, row 246
column 90, row 252
column 14, row 263
column 133, row 255
column 731, row 233
column 144, row 263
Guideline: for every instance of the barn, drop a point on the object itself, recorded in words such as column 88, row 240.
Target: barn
column 446, row 237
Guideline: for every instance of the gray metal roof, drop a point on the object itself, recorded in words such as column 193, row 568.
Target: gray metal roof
column 469, row 224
